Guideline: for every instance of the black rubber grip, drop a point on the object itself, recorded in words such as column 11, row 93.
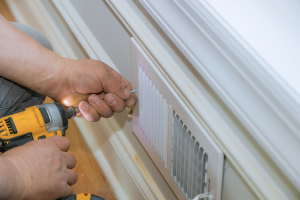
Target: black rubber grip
column 62, row 114
column 15, row 142
column 45, row 115
column 96, row 198
column 42, row 137
column 12, row 123
column 72, row 197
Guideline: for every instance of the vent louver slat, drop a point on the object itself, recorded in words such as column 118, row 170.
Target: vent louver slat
column 164, row 147
column 153, row 116
column 174, row 145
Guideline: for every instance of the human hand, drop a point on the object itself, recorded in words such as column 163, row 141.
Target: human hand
column 41, row 170
column 94, row 87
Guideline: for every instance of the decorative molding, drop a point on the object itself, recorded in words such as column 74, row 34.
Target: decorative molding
column 266, row 105
column 259, row 178
column 126, row 158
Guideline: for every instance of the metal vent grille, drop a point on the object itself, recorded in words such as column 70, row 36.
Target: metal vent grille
column 174, row 137
column 153, row 115
column 189, row 160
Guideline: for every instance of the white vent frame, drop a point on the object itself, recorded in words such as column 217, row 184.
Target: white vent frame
column 216, row 157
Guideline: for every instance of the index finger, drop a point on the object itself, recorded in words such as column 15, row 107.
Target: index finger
column 132, row 100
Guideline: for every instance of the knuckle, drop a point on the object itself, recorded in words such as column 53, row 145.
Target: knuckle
column 74, row 159
column 58, row 184
column 66, row 142
column 57, row 158
column 75, row 176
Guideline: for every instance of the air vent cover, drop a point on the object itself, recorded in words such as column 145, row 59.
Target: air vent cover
column 176, row 141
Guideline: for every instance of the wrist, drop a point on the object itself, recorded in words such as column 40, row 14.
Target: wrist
column 57, row 79
column 49, row 76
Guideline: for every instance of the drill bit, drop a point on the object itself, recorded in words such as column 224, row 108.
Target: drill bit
column 132, row 91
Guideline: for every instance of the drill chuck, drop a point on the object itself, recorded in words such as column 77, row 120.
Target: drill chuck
column 70, row 112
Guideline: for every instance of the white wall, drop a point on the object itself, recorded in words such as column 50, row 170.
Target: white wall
column 108, row 30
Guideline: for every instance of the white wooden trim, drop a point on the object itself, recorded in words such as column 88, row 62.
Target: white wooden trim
column 119, row 140
column 251, row 169
column 16, row 12
column 114, row 136
column 266, row 105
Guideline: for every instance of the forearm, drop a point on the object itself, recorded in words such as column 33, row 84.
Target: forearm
column 24, row 60
column 10, row 183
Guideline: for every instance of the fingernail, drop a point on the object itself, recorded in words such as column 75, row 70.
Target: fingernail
column 84, row 106
column 111, row 101
column 94, row 99
column 127, row 92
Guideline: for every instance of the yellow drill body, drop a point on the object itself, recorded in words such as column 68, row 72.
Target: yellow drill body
column 33, row 123
column 28, row 121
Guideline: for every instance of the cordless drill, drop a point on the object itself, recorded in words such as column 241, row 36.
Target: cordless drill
column 35, row 123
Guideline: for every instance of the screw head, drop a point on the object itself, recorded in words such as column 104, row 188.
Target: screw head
column 55, row 133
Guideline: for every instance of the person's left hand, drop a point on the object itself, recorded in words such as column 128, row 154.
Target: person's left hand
column 93, row 86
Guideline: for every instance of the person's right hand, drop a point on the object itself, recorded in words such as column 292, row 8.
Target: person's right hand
column 91, row 85
column 42, row 169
